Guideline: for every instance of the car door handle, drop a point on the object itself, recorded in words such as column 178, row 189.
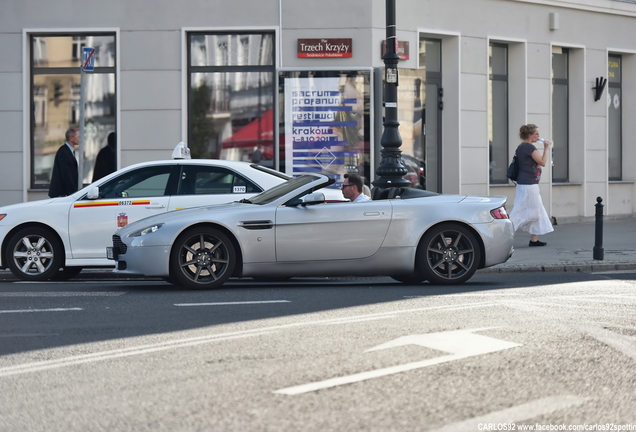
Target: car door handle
column 371, row 213
column 152, row 207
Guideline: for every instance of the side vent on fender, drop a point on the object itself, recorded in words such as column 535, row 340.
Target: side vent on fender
column 257, row 225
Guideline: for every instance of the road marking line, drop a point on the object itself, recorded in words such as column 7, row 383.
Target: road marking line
column 461, row 343
column 27, row 335
column 618, row 342
column 591, row 297
column 232, row 303
column 482, row 294
column 349, row 321
column 518, row 413
column 124, row 352
column 40, row 310
column 61, row 294
column 143, row 349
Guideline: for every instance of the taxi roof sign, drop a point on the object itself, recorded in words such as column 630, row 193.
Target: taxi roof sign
column 88, row 59
column 181, row 151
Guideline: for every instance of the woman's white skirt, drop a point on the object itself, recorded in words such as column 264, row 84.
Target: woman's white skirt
column 528, row 213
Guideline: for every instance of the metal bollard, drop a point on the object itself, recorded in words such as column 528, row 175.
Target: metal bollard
column 597, row 252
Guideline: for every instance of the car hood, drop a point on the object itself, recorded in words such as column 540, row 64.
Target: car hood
column 182, row 215
column 30, row 204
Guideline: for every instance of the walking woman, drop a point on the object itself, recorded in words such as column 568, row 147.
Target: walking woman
column 528, row 213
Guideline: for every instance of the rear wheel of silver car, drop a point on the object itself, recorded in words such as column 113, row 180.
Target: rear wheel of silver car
column 202, row 258
column 35, row 254
column 449, row 254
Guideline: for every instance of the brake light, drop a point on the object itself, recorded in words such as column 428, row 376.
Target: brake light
column 499, row 213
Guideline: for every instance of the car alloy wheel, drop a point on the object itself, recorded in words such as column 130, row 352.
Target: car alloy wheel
column 202, row 258
column 34, row 254
column 449, row 254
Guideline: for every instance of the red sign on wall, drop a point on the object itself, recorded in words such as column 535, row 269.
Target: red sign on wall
column 324, row 48
column 402, row 49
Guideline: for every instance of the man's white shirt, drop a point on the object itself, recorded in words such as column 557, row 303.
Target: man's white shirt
column 362, row 198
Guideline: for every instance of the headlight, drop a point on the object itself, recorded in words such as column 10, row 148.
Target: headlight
column 145, row 231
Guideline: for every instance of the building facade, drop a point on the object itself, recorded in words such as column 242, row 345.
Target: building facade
column 224, row 76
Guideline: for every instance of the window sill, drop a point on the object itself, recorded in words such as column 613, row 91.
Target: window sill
column 621, row 182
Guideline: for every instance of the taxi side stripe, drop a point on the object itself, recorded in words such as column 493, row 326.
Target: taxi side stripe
column 110, row 203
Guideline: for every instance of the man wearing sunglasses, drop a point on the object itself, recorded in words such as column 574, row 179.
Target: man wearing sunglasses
column 352, row 188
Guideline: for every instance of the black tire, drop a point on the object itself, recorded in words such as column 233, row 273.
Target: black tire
column 66, row 273
column 449, row 254
column 34, row 254
column 409, row 280
column 202, row 258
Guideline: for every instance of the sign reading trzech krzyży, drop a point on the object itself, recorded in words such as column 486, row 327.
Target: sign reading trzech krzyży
column 324, row 48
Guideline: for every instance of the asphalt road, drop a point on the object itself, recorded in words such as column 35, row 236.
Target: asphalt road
column 502, row 352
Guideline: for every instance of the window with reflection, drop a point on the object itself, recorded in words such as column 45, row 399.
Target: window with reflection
column 560, row 115
column 615, row 117
column 498, row 113
column 427, row 111
column 231, row 96
column 55, row 99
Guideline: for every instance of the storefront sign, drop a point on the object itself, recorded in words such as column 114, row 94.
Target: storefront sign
column 402, row 49
column 324, row 48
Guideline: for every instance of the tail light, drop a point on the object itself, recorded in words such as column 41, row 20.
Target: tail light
column 499, row 213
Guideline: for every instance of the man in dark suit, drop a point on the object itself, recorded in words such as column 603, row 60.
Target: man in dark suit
column 64, row 176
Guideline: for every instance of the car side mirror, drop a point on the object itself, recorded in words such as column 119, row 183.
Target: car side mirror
column 93, row 193
column 314, row 198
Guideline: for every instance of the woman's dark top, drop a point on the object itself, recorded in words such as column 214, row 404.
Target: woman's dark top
column 529, row 170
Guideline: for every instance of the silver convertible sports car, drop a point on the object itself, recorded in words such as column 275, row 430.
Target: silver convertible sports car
column 289, row 230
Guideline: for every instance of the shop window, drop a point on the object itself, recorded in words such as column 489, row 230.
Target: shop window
column 231, row 86
column 55, row 99
column 498, row 113
column 560, row 115
column 615, row 117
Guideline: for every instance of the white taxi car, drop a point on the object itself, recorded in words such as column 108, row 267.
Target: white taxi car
column 56, row 238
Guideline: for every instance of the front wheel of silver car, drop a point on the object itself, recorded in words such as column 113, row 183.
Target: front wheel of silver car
column 202, row 258
column 449, row 254
column 34, row 254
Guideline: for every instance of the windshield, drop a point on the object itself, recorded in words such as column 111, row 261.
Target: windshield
column 271, row 171
column 282, row 189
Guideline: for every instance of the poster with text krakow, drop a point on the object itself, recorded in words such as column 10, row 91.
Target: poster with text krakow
column 324, row 126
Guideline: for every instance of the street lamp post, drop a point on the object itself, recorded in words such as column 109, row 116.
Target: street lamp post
column 391, row 171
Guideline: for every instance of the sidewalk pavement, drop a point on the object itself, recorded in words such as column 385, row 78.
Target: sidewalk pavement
column 569, row 248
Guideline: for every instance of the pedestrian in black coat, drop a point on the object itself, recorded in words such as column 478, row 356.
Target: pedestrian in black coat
column 106, row 161
column 64, row 176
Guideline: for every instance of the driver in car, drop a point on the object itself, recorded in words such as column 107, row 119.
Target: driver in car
column 352, row 188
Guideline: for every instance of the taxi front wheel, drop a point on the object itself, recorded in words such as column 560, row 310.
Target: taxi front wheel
column 34, row 254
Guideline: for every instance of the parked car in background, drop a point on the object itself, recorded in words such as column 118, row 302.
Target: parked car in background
column 418, row 167
column 56, row 238
column 409, row 234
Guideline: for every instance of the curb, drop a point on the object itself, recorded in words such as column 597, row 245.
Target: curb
column 562, row 267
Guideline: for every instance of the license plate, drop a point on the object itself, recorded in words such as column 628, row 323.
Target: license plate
column 110, row 254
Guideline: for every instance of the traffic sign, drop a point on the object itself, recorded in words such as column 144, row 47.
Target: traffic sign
column 88, row 59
